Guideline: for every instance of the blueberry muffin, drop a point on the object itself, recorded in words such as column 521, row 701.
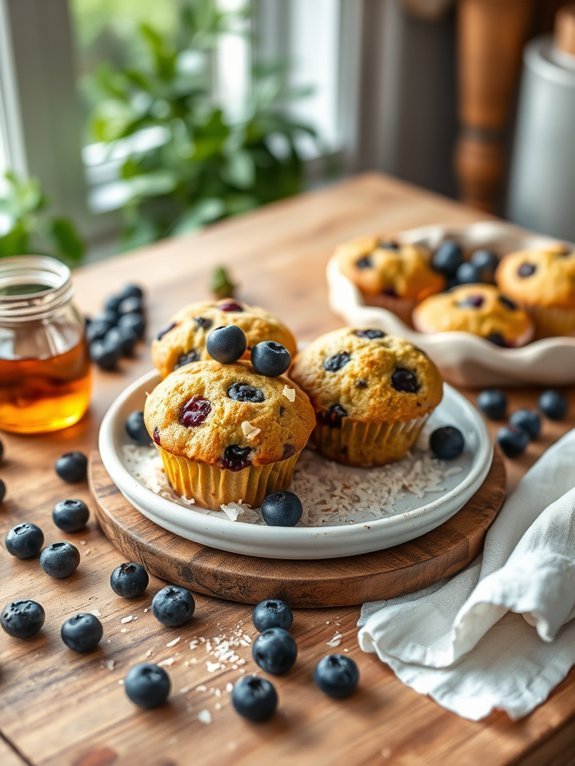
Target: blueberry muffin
column 389, row 274
column 479, row 309
column 184, row 339
column 227, row 434
column 543, row 282
column 372, row 393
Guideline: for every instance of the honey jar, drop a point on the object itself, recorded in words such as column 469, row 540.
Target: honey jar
column 45, row 378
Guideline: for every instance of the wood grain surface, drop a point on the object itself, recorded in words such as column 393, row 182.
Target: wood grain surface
column 307, row 584
column 59, row 708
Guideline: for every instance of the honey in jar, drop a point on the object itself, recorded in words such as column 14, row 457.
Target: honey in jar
column 45, row 379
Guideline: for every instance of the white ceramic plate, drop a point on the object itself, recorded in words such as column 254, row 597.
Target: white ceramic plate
column 465, row 359
column 412, row 516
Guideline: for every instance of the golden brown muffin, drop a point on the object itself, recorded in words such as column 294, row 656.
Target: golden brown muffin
column 479, row 309
column 227, row 434
column 372, row 393
column 543, row 282
column 388, row 274
column 184, row 339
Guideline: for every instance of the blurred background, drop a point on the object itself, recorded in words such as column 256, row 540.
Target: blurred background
column 125, row 121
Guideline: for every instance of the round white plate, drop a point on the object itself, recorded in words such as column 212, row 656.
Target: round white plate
column 411, row 517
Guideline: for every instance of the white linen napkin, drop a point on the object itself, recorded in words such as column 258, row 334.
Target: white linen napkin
column 495, row 636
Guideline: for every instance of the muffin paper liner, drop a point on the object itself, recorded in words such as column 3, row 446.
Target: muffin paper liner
column 552, row 321
column 211, row 486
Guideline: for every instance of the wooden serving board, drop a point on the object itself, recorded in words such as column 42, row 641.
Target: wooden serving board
column 309, row 584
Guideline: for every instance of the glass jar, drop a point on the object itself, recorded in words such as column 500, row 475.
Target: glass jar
column 45, row 378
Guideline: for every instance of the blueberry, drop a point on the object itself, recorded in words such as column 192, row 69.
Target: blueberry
column 508, row 303
column 129, row 580
column 369, row 334
column 203, row 323
column 187, row 358
column 270, row 358
column 112, row 302
column 173, row 606
column 486, row 262
column 231, row 306
column 512, row 441
column 493, row 403
column 336, row 675
column 447, row 442
column 147, row 685
column 282, row 509
column 528, row 421
column 272, row 613
column 365, row 262
column 72, row 467
column 475, row 301
column 244, row 392
column 24, row 541
column 105, row 355
column 254, row 698
column 526, row 270
column 22, row 619
column 447, row 258
column 135, row 322
column 131, row 291
column 127, row 339
column 82, row 632
column 405, row 381
column 236, row 458
column 2, row 491
column 388, row 244
column 71, row 515
column 194, row 411
column 275, row 651
column 60, row 560
column 165, row 330
column 97, row 330
column 467, row 274
column 553, row 405
column 226, row 344
column 131, row 305
column 136, row 428
column 333, row 416
column 336, row 362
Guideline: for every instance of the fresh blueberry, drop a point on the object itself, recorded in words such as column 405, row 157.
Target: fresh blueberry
column 405, row 381
column 194, row 411
column 112, row 302
column 270, row 358
column 82, row 632
column 70, row 515
column 493, row 403
column 236, row 458
column 135, row 322
column 60, row 560
column 97, row 330
column 147, row 685
column 275, row 651
column 2, row 491
column 72, row 467
column 272, row 613
column 528, row 421
column 22, row 619
column 447, row 258
column 131, row 305
column 512, row 441
column 254, row 698
column 136, row 428
column 336, row 675
column 467, row 274
column 131, row 291
column 127, row 340
column 553, row 405
column 24, row 541
column 244, row 392
column 486, row 262
column 336, row 362
column 333, row 416
column 447, row 442
column 173, row 606
column 106, row 319
column 129, row 580
column 105, row 354
column 226, row 344
column 282, row 509
column 187, row 358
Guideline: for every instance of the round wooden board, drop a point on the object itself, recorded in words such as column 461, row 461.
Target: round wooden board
column 331, row 582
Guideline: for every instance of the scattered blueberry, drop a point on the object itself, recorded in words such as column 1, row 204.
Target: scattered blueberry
column 129, row 580
column 513, row 441
column 70, row 515
column 105, row 354
column 60, row 560
column 147, row 685
column 270, row 358
column 112, row 302
column 226, row 344
column 236, row 458
column 336, row 362
column 130, row 305
column 126, row 340
column 173, row 606
column 336, row 675
column 194, row 412
column 254, row 698
column 493, row 403
column 96, row 330
column 447, row 258
column 447, row 442
column 275, row 651
column 135, row 322
column 82, row 632
column 405, row 381
column 131, row 291
column 72, row 467
column 526, row 270
column 22, row 619
column 24, row 541
column 2, row 490
column 272, row 613
column 244, row 392
column 282, row 509
column 136, row 428
column 467, row 274
column 486, row 262
column 526, row 420
column 553, row 405
column 369, row 334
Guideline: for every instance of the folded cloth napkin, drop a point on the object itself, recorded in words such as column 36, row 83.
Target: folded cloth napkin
column 497, row 635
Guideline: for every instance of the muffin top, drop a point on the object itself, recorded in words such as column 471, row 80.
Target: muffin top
column 479, row 309
column 184, row 339
column 385, row 267
column 544, row 277
column 228, row 415
column 368, row 376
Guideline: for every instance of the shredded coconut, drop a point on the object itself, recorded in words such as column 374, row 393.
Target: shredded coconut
column 204, row 716
column 336, row 640
column 289, row 393
column 249, row 431
column 126, row 620
column 168, row 661
column 173, row 642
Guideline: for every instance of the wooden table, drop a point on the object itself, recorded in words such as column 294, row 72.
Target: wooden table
column 60, row 708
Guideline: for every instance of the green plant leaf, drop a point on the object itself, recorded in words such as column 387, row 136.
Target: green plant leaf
column 68, row 245
column 198, row 215
column 15, row 241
